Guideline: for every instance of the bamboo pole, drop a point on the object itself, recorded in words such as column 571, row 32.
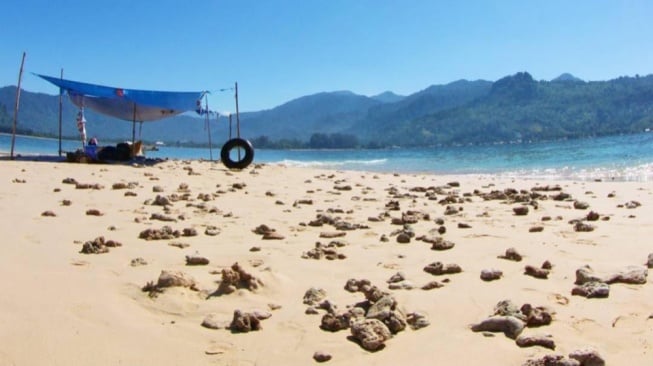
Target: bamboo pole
column 134, row 127
column 208, row 125
column 13, row 130
column 237, row 113
column 60, row 112
column 237, row 119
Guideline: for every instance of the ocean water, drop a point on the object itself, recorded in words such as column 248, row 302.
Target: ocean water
column 624, row 157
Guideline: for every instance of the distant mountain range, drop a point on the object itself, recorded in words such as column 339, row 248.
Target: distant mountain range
column 514, row 108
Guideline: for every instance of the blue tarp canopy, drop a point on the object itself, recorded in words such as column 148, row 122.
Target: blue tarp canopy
column 128, row 104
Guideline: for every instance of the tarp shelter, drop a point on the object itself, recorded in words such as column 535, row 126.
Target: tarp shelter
column 128, row 104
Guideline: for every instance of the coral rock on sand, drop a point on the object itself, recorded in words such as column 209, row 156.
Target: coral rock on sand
column 99, row 246
column 491, row 274
column 196, row 260
column 320, row 356
column 438, row 268
column 170, row 279
column 509, row 325
column 634, row 275
column 165, row 233
column 541, row 273
column 314, row 296
column 438, row 243
column 592, row 289
column 417, row 320
column 587, row 357
column 512, row 255
column 586, row 274
column 236, row 277
column 48, row 214
column 244, row 322
column 542, row 340
column 370, row 333
column 552, row 360
column 520, row 210
column 335, row 322
column 212, row 321
column 649, row 262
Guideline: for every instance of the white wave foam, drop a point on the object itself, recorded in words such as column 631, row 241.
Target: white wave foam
column 332, row 164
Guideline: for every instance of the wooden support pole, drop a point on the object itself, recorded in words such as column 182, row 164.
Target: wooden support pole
column 237, row 113
column 60, row 112
column 13, row 130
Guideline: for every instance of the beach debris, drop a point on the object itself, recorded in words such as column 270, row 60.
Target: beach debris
column 170, row 279
column 552, row 360
column 371, row 334
column 48, row 214
column 69, row 181
column 451, row 210
column 164, row 233
column 512, row 255
column 99, row 246
column 66, row 202
column 541, row 273
column 321, row 356
column 196, row 260
column 438, row 268
column 491, row 274
column 157, row 189
column 136, row 262
column 649, row 262
column 235, row 278
column 130, row 194
column 542, row 340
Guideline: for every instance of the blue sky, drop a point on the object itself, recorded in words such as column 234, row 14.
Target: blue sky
column 278, row 50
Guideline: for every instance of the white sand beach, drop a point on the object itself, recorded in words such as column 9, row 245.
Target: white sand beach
column 63, row 307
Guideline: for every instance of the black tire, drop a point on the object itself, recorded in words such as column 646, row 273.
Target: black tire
column 225, row 153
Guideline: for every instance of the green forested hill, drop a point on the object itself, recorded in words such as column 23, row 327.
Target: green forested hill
column 518, row 108
column 514, row 108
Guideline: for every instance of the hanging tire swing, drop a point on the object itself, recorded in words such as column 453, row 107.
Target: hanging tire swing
column 237, row 143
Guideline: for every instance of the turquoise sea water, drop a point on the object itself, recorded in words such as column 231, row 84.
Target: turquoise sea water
column 626, row 157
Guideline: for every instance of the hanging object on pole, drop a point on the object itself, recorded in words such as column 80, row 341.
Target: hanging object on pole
column 81, row 125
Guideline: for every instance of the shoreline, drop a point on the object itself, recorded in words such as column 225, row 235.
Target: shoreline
column 99, row 297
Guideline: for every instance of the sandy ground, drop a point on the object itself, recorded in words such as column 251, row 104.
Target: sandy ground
column 62, row 307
